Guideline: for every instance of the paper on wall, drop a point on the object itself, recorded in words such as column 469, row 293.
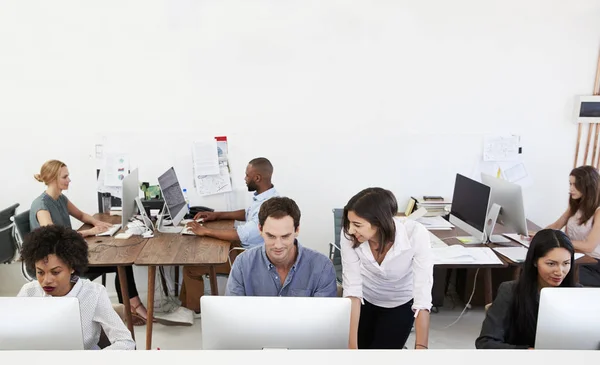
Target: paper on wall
column 116, row 191
column 214, row 184
column 501, row 148
column 116, row 167
column 206, row 158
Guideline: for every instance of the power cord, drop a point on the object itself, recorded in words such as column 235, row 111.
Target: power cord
column 105, row 246
column 468, row 305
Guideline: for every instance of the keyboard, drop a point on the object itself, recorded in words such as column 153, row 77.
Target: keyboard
column 111, row 231
column 435, row 241
column 187, row 231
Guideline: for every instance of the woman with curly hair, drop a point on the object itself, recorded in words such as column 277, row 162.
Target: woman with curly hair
column 58, row 255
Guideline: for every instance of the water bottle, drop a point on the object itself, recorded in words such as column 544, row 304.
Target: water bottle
column 187, row 200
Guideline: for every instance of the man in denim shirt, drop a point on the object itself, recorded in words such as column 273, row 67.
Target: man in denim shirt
column 258, row 180
column 281, row 267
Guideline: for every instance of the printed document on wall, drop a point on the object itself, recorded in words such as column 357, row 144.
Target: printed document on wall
column 206, row 158
column 501, row 148
column 116, row 191
column 116, row 167
column 214, row 184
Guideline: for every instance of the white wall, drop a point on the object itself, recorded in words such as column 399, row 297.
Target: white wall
column 339, row 95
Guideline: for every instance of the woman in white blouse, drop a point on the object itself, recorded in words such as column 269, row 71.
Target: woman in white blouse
column 58, row 254
column 387, row 272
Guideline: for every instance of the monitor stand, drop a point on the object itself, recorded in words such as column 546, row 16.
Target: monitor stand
column 491, row 221
column 160, row 223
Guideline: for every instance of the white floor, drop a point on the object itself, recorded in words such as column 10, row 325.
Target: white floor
column 461, row 335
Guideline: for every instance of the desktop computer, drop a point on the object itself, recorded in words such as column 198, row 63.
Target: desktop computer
column 40, row 323
column 175, row 207
column 510, row 199
column 568, row 319
column 261, row 323
column 469, row 208
column 130, row 189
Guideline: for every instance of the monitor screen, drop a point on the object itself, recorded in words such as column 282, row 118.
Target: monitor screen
column 172, row 193
column 470, row 201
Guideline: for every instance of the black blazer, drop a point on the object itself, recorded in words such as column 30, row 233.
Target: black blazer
column 495, row 325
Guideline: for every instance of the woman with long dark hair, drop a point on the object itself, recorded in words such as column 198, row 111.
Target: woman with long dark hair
column 582, row 220
column 511, row 320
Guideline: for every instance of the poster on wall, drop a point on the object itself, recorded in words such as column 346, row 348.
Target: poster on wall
column 205, row 181
column 116, row 167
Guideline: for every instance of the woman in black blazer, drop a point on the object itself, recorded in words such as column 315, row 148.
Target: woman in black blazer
column 511, row 320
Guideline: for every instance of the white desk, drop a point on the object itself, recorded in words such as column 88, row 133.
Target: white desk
column 301, row 357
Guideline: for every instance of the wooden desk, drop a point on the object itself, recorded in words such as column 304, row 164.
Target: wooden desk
column 108, row 251
column 170, row 249
column 449, row 237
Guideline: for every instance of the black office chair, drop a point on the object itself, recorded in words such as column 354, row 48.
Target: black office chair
column 21, row 221
column 9, row 247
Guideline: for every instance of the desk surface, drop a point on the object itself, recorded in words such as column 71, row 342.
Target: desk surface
column 108, row 251
column 448, row 236
column 178, row 249
column 303, row 357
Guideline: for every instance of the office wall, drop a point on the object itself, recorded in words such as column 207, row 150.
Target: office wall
column 339, row 95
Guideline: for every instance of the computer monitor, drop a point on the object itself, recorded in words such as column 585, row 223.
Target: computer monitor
column 40, row 323
column 568, row 319
column 131, row 190
column 469, row 207
column 510, row 198
column 175, row 205
column 256, row 323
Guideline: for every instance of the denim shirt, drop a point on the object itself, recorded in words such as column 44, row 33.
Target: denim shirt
column 252, row 274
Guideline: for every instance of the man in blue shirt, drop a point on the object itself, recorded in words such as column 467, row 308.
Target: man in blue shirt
column 281, row 267
column 258, row 180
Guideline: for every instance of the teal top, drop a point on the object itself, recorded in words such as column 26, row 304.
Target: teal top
column 57, row 208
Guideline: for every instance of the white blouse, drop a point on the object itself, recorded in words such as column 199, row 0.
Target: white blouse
column 96, row 312
column 579, row 232
column 406, row 271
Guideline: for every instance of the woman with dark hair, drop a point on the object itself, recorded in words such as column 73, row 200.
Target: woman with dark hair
column 580, row 220
column 58, row 255
column 511, row 320
column 387, row 272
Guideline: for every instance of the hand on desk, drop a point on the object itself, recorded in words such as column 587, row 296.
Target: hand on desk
column 102, row 226
column 93, row 231
column 207, row 216
column 197, row 228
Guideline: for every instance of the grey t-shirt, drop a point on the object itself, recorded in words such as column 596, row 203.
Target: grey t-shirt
column 57, row 208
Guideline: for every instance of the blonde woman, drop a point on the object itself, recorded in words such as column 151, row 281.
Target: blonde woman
column 53, row 207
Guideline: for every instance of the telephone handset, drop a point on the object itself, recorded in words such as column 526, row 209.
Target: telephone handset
column 197, row 209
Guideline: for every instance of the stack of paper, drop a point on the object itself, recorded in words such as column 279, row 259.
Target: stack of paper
column 435, row 241
column 515, row 254
column 435, row 223
column 460, row 255
column 519, row 253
